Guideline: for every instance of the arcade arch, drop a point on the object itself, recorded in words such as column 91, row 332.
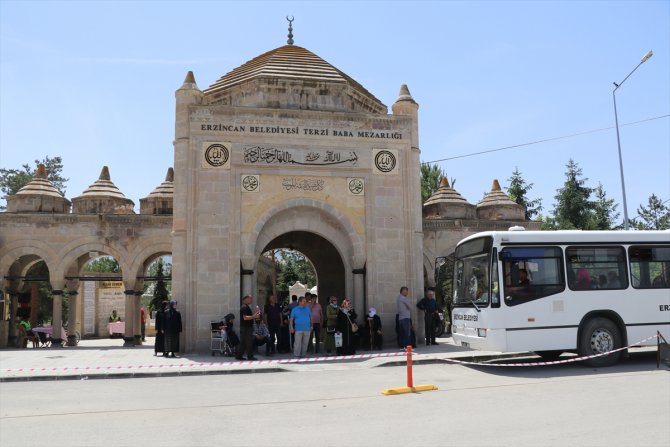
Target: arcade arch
column 323, row 255
column 324, row 235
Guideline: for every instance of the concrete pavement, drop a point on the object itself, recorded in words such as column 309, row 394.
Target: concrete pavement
column 106, row 358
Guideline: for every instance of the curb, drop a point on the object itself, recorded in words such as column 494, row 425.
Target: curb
column 138, row 375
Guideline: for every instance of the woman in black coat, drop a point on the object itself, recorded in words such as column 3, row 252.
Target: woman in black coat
column 346, row 318
column 159, row 344
column 172, row 328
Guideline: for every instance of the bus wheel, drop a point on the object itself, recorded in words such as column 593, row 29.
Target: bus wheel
column 600, row 335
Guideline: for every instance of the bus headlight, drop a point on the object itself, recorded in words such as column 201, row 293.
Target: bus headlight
column 481, row 332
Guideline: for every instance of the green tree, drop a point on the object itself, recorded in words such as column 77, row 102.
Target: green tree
column 604, row 211
column 11, row 180
column 654, row 216
column 293, row 266
column 573, row 208
column 518, row 191
column 431, row 175
column 103, row 264
column 161, row 292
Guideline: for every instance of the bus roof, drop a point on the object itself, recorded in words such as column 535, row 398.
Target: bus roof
column 562, row 237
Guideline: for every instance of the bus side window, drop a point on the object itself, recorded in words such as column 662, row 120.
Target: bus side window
column 596, row 268
column 531, row 273
column 650, row 267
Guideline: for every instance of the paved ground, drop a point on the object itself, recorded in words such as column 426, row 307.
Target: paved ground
column 106, row 358
column 341, row 404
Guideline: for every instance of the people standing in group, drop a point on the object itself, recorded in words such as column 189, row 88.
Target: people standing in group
column 331, row 325
column 347, row 326
column 317, row 322
column 404, row 316
column 159, row 343
column 428, row 305
column 247, row 318
column 300, row 326
column 143, row 323
column 273, row 320
column 173, row 327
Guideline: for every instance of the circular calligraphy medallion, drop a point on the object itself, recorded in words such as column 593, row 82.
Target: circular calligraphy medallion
column 385, row 161
column 356, row 186
column 250, row 183
column 217, row 155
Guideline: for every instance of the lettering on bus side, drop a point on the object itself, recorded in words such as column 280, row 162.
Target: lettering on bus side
column 664, row 307
column 466, row 317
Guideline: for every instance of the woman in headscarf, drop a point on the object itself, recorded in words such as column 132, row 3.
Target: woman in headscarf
column 373, row 329
column 346, row 325
column 331, row 325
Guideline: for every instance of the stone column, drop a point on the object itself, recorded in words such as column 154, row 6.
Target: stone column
column 129, row 333
column 184, row 242
column 13, row 296
column 57, row 320
column 247, row 282
column 137, row 330
column 360, row 302
column 72, row 317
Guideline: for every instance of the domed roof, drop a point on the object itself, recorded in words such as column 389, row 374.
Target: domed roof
column 103, row 187
column 165, row 189
column 161, row 199
column 40, row 185
column 102, row 197
column 447, row 203
column 292, row 64
column 38, row 196
column 496, row 205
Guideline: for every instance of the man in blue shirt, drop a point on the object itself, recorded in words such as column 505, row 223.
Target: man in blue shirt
column 300, row 326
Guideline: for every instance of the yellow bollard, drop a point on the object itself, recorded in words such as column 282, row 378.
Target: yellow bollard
column 410, row 388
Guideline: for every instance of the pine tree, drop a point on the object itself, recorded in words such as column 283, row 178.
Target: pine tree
column 518, row 192
column 604, row 211
column 655, row 216
column 430, row 180
column 573, row 209
column 160, row 290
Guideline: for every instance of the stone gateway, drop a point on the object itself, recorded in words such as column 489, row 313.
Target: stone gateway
column 285, row 151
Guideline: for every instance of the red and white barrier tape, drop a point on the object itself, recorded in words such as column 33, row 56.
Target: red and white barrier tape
column 84, row 369
column 237, row 363
column 553, row 362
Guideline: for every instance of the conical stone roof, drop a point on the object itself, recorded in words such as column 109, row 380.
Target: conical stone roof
column 161, row 199
column 102, row 197
column 496, row 205
column 40, row 185
column 447, row 203
column 292, row 77
column 38, row 196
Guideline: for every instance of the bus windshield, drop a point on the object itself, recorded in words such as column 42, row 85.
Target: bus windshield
column 471, row 272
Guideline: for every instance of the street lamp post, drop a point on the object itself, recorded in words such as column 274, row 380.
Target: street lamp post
column 618, row 139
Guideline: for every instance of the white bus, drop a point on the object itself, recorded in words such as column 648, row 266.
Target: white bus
column 550, row 292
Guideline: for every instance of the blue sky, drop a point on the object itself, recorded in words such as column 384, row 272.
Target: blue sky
column 94, row 82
